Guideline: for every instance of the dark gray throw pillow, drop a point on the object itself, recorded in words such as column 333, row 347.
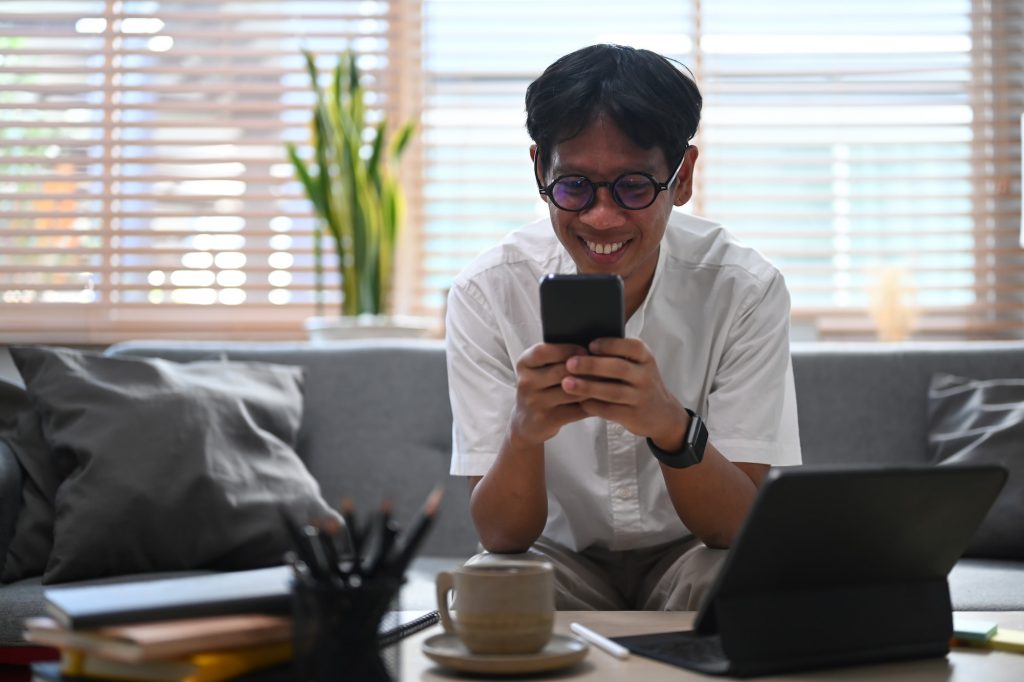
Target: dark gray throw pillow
column 33, row 531
column 982, row 422
column 173, row 466
column 13, row 401
column 14, row 405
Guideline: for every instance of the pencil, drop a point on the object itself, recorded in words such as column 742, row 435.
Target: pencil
column 298, row 536
column 348, row 515
column 417, row 531
column 385, row 531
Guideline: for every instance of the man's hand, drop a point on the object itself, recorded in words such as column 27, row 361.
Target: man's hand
column 542, row 406
column 620, row 382
column 509, row 503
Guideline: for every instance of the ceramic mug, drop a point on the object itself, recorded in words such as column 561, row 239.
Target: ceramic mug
column 502, row 606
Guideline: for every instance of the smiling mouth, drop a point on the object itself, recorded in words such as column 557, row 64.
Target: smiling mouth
column 604, row 249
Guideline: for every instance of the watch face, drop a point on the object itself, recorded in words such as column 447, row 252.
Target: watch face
column 693, row 448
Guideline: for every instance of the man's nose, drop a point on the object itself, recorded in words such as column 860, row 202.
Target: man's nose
column 603, row 211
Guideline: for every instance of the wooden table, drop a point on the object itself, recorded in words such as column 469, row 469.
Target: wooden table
column 961, row 665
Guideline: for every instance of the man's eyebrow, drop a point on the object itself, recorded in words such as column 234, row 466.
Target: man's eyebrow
column 558, row 170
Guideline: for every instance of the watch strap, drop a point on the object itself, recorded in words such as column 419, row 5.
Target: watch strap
column 694, row 444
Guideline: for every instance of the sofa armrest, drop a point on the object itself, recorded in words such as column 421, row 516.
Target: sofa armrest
column 10, row 497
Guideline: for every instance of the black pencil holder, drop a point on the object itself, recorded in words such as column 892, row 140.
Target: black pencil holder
column 336, row 631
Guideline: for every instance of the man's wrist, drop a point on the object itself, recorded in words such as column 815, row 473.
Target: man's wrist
column 517, row 440
column 690, row 452
column 674, row 438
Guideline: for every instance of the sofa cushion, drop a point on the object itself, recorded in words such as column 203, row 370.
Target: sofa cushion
column 987, row 585
column 169, row 466
column 982, row 422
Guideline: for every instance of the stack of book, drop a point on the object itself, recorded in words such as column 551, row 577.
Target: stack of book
column 182, row 650
column 215, row 627
column 205, row 628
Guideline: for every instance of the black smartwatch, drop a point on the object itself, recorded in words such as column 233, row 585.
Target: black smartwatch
column 693, row 445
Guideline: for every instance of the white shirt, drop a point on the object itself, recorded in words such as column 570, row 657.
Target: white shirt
column 717, row 321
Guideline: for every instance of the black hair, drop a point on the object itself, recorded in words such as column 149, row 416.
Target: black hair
column 651, row 100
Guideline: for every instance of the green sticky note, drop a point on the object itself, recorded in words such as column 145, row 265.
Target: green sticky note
column 974, row 630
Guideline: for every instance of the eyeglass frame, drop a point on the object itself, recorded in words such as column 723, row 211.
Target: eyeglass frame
column 659, row 187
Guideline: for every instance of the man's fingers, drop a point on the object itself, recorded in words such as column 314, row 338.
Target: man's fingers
column 607, row 391
column 630, row 349
column 543, row 354
column 553, row 397
column 566, row 414
column 604, row 410
column 542, row 378
column 613, row 368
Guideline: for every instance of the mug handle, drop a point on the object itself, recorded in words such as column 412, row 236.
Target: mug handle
column 445, row 584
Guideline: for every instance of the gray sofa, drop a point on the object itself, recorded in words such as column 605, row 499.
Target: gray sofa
column 377, row 423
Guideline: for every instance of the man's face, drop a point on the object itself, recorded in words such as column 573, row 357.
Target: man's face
column 605, row 237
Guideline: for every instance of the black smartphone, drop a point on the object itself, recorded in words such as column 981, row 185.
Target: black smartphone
column 580, row 308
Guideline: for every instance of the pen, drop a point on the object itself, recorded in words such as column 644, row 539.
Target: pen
column 600, row 641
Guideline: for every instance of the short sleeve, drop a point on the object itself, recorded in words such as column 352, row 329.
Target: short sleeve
column 751, row 409
column 481, row 380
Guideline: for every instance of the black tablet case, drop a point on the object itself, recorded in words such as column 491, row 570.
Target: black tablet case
column 836, row 566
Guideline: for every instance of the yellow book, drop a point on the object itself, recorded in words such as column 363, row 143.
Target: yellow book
column 1008, row 640
column 1004, row 639
column 214, row 666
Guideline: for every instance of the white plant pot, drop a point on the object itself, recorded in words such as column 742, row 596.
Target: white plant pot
column 341, row 327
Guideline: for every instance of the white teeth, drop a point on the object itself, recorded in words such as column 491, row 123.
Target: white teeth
column 604, row 249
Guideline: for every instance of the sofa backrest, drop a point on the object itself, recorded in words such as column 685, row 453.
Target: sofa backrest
column 377, row 421
column 867, row 402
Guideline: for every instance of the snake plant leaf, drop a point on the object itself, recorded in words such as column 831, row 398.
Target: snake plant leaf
column 352, row 189
column 309, row 183
column 374, row 163
column 401, row 140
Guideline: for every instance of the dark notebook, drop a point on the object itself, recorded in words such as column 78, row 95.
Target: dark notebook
column 258, row 591
column 263, row 590
column 835, row 567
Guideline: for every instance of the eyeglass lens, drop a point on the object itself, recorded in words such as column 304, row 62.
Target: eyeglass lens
column 629, row 191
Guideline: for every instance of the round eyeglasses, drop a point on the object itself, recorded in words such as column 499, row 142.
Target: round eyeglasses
column 633, row 191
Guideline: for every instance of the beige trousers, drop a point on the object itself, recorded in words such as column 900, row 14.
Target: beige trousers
column 672, row 577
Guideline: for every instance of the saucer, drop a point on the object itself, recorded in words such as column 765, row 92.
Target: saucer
column 448, row 650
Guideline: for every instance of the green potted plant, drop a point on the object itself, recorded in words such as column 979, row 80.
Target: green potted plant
column 356, row 197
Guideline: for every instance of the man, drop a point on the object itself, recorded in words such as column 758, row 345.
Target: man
column 596, row 458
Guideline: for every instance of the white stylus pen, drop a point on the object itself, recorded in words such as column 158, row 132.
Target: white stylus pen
column 600, row 641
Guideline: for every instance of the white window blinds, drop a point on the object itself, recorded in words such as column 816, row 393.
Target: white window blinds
column 859, row 146
column 144, row 186
column 870, row 149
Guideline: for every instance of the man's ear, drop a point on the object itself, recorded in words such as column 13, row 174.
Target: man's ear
column 538, row 172
column 684, row 180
